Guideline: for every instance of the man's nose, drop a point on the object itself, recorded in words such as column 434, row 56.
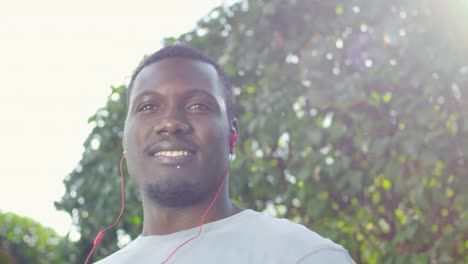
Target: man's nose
column 171, row 124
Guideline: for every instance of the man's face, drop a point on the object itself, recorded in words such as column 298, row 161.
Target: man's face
column 177, row 132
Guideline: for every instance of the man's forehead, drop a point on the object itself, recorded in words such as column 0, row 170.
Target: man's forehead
column 178, row 65
column 192, row 73
column 177, row 69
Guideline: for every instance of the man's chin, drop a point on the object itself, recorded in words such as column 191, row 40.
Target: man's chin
column 174, row 195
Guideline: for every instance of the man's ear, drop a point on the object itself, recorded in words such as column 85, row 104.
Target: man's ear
column 233, row 136
column 234, row 126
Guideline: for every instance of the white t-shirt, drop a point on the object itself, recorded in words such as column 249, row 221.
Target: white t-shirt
column 248, row 237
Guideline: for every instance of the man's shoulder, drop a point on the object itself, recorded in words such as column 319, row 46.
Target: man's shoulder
column 301, row 242
column 115, row 257
column 286, row 230
column 123, row 255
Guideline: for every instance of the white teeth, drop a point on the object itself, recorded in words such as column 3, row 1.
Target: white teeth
column 176, row 153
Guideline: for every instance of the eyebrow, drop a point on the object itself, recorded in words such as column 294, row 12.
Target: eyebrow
column 200, row 91
column 146, row 93
column 192, row 92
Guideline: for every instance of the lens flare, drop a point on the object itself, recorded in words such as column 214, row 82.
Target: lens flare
column 325, row 69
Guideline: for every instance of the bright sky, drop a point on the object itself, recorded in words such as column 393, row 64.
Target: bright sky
column 58, row 59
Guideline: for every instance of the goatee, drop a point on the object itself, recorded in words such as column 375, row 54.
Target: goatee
column 172, row 194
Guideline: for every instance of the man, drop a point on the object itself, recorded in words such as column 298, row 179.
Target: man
column 178, row 138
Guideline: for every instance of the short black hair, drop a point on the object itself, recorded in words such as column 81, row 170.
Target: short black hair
column 188, row 52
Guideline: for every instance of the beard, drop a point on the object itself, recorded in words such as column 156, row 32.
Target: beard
column 174, row 194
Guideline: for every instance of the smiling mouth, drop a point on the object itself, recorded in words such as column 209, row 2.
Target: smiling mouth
column 173, row 153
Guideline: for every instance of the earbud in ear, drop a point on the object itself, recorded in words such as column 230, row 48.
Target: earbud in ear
column 123, row 146
column 233, row 142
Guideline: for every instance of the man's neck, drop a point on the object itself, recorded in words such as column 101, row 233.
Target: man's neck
column 163, row 220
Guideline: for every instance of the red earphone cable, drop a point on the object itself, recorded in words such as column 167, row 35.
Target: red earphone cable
column 98, row 238
column 202, row 219
column 122, row 201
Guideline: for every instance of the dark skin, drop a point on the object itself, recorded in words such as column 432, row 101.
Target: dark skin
column 177, row 137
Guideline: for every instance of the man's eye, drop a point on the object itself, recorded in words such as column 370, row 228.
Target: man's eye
column 147, row 107
column 198, row 106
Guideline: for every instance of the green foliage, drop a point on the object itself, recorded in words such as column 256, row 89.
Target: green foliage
column 23, row 241
column 353, row 120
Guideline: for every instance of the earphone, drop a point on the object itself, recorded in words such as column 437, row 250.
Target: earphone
column 233, row 142
column 98, row 238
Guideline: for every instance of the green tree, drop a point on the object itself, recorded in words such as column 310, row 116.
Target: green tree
column 24, row 241
column 353, row 120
